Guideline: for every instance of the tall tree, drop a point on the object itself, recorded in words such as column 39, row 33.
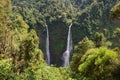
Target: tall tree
column 5, row 35
column 98, row 64
column 79, row 50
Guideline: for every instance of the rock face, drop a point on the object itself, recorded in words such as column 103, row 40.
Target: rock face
column 58, row 40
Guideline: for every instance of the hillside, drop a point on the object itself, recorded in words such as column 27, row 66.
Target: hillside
column 59, row 40
column 87, row 17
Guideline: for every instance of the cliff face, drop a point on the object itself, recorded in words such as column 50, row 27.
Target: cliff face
column 87, row 16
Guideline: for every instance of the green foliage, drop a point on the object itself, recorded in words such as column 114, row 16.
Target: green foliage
column 116, row 39
column 84, row 45
column 42, row 12
column 117, row 32
column 4, row 30
column 43, row 72
column 29, row 52
column 6, row 69
column 115, row 11
column 115, row 15
column 100, row 40
column 35, row 72
column 20, row 55
column 21, row 58
column 98, row 63
column 79, row 51
column 88, row 17
column 53, row 73
column 116, row 71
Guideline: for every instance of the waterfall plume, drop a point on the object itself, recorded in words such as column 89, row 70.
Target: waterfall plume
column 66, row 54
column 47, row 47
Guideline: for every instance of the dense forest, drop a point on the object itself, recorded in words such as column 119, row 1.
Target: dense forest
column 59, row 40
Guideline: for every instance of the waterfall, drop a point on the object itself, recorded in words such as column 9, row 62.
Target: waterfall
column 66, row 54
column 47, row 47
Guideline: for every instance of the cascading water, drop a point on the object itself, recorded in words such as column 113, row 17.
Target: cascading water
column 66, row 54
column 47, row 47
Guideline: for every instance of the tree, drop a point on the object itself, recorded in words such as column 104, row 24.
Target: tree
column 117, row 37
column 5, row 34
column 18, row 44
column 29, row 53
column 115, row 11
column 115, row 15
column 100, row 40
column 98, row 64
column 79, row 50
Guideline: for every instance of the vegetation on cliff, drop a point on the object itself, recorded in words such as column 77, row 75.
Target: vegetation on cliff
column 95, row 34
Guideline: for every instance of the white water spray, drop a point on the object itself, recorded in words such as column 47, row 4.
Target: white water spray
column 47, row 47
column 66, row 54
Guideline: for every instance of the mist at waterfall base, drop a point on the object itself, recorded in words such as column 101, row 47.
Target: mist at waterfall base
column 47, row 47
column 66, row 54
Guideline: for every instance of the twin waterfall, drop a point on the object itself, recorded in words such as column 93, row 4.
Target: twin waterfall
column 66, row 54
column 47, row 47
